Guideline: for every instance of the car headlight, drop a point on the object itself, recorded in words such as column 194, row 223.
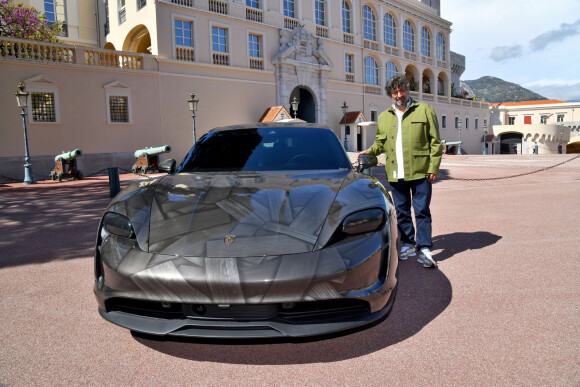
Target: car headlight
column 363, row 221
column 118, row 224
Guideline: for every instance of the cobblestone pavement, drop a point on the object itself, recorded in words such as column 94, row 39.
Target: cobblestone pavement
column 502, row 309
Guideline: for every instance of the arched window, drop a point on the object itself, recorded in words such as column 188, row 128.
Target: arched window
column 391, row 70
column 369, row 24
column 390, row 30
column 441, row 49
column 425, row 42
column 409, row 37
column 371, row 71
column 346, row 17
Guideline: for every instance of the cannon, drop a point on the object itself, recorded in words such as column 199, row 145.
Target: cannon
column 148, row 159
column 66, row 166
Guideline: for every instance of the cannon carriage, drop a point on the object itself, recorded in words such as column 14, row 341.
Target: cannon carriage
column 148, row 159
column 66, row 166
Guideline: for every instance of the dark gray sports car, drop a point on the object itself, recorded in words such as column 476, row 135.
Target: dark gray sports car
column 263, row 230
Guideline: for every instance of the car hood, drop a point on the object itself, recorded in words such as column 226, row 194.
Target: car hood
column 240, row 215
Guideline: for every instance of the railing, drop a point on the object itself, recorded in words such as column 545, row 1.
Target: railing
column 220, row 58
column 254, row 14
column 44, row 52
column 371, row 45
column 218, row 6
column 185, row 53
column 348, row 38
column 391, row 50
column 349, row 77
column 257, row 63
column 109, row 58
column 410, row 55
column 290, row 23
column 443, row 64
column 322, row 31
column 427, row 60
column 185, row 3
column 29, row 50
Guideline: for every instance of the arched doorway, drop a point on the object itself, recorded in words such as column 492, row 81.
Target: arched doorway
column 138, row 40
column 306, row 105
column 510, row 143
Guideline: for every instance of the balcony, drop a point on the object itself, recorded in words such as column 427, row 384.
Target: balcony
column 348, row 38
column 257, row 63
column 186, row 54
column 290, row 23
column 254, row 15
column 322, row 32
column 217, row 6
column 390, row 50
column 221, row 58
column 185, row 3
column 349, row 77
column 371, row 45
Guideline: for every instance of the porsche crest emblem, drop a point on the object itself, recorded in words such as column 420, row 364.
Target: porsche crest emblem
column 229, row 239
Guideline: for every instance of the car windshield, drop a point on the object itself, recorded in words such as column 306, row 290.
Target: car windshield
column 266, row 149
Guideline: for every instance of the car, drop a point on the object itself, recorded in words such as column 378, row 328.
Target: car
column 262, row 231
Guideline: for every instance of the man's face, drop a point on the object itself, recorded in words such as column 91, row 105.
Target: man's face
column 400, row 96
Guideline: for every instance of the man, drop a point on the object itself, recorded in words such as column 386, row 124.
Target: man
column 408, row 134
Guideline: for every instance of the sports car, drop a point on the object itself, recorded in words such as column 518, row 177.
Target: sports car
column 263, row 230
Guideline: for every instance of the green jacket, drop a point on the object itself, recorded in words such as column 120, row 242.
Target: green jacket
column 421, row 141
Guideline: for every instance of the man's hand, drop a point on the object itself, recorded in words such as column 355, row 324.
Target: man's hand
column 431, row 177
column 361, row 154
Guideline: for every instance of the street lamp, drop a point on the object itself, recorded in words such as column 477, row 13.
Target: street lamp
column 295, row 106
column 21, row 98
column 459, row 126
column 484, row 151
column 344, row 108
column 193, row 107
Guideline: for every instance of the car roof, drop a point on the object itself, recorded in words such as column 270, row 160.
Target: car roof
column 271, row 125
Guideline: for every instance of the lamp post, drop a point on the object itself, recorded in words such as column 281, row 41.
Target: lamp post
column 344, row 108
column 21, row 98
column 484, row 150
column 459, row 126
column 193, row 107
column 295, row 106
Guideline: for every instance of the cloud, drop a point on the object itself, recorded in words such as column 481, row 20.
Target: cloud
column 501, row 53
column 565, row 90
column 542, row 41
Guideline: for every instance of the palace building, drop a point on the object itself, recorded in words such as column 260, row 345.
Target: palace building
column 121, row 79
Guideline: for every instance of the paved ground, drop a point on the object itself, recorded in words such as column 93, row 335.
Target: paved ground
column 503, row 309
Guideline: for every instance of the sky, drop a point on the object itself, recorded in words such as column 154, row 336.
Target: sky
column 533, row 43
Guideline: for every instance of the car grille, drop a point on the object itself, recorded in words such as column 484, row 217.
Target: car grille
column 300, row 312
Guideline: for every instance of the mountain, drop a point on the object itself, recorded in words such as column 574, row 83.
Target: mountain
column 495, row 90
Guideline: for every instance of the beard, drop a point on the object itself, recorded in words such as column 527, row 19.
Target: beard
column 401, row 102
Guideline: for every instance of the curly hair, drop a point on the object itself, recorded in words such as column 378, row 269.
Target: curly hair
column 396, row 82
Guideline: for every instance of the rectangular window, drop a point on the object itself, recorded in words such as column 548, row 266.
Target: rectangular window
column 141, row 4
column 43, row 107
column 544, row 119
column 122, row 12
column 374, row 115
column 444, row 121
column 511, row 120
column 527, row 120
column 183, row 33
column 253, row 3
column 476, row 123
column 289, row 8
column 219, row 39
column 457, row 122
column 118, row 108
column 467, row 123
column 560, row 118
column 50, row 11
column 319, row 12
column 254, row 45
column 348, row 67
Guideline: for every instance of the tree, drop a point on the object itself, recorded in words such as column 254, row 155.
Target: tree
column 22, row 22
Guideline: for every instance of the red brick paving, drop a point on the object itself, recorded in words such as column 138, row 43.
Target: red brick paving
column 503, row 308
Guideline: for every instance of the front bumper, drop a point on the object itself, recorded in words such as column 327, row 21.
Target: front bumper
column 337, row 288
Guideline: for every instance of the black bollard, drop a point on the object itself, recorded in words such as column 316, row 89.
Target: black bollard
column 114, row 185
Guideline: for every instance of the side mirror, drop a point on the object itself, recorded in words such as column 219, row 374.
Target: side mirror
column 365, row 162
column 167, row 166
